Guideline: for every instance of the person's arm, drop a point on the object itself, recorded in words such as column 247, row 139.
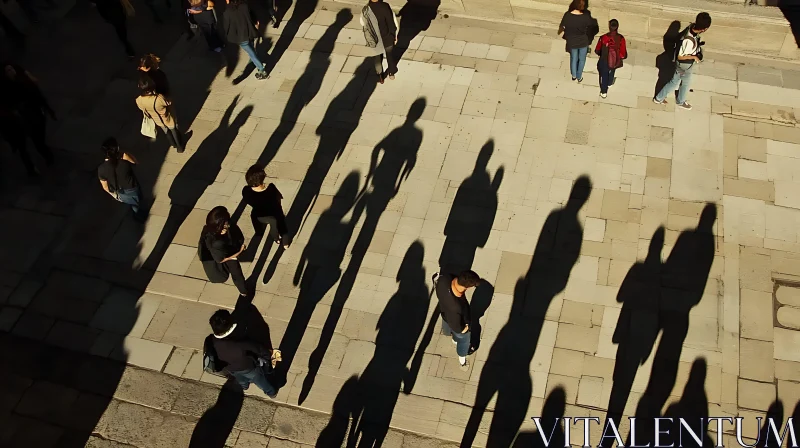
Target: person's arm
column 392, row 22
column 682, row 56
column 161, row 106
column 598, row 47
column 623, row 49
column 129, row 157
column 104, row 184
column 561, row 25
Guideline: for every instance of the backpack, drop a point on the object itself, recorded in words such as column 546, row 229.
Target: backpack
column 211, row 363
column 613, row 60
column 679, row 41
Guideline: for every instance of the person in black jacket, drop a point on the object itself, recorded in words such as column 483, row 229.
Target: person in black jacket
column 245, row 359
column 118, row 179
column 225, row 242
column 266, row 203
column 240, row 29
column 382, row 15
column 451, row 290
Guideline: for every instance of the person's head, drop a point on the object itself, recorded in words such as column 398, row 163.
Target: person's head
column 146, row 84
column 613, row 25
column 702, row 23
column 149, row 62
column 110, row 149
column 577, row 5
column 255, row 176
column 221, row 322
column 467, row 279
column 218, row 220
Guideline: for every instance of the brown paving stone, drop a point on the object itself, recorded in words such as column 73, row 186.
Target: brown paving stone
column 749, row 188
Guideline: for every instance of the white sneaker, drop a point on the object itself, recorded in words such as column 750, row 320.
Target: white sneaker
column 603, row 95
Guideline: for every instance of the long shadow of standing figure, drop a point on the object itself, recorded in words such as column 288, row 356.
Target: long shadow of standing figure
column 303, row 9
column 318, row 269
column 683, row 279
column 637, row 326
column 399, row 156
column 398, row 329
column 693, row 409
column 197, row 174
column 507, row 369
column 551, row 422
column 664, row 61
column 415, row 17
column 472, row 215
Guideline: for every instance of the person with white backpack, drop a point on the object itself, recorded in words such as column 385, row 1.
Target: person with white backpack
column 380, row 31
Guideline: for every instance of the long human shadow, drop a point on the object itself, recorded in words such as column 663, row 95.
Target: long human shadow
column 398, row 156
column 415, row 17
column 303, row 9
column 664, row 61
column 551, row 426
column 215, row 425
column 683, row 279
column 334, row 135
column 637, row 326
column 196, row 175
column 318, row 269
column 307, row 86
column 345, row 409
column 692, row 407
column 472, row 214
column 791, row 12
column 507, row 369
column 398, row 327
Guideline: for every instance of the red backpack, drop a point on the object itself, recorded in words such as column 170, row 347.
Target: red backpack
column 614, row 61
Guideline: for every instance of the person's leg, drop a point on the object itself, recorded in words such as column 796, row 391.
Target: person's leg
column 176, row 137
column 131, row 197
column 121, row 28
column 671, row 86
column 390, row 61
column 272, row 223
column 462, row 343
column 379, row 65
column 686, row 80
column 251, row 52
column 573, row 62
column 261, row 381
column 581, row 62
column 602, row 70
column 237, row 276
column 446, row 328
column 151, row 5
column 244, row 378
column 210, row 35
column 611, row 75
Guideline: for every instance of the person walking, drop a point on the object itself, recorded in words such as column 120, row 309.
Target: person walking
column 246, row 360
column 202, row 11
column 118, row 179
column 380, row 30
column 612, row 51
column 23, row 108
column 451, row 290
column 240, row 29
column 116, row 12
column 266, row 203
column 576, row 26
column 225, row 242
column 150, row 64
column 688, row 52
column 159, row 109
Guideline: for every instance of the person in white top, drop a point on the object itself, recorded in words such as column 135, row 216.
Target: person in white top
column 688, row 52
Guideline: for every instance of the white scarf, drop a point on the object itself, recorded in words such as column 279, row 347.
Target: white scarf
column 227, row 333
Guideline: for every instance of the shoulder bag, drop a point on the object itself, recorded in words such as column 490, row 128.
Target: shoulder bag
column 148, row 124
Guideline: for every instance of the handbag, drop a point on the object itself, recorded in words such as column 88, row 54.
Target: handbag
column 148, row 124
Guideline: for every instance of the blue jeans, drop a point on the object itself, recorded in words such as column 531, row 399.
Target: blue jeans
column 682, row 78
column 248, row 48
column 132, row 197
column 577, row 59
column 462, row 339
column 255, row 376
column 606, row 76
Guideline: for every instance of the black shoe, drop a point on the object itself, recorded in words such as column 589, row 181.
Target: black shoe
column 574, row 78
column 580, row 80
column 262, row 75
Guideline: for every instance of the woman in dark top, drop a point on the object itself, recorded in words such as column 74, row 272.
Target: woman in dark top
column 266, row 203
column 150, row 64
column 379, row 17
column 117, row 177
column 576, row 26
column 240, row 29
column 202, row 11
column 224, row 241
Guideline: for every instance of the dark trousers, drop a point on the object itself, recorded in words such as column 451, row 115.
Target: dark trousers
column 174, row 137
column 390, row 62
column 235, row 269
column 277, row 226
column 255, row 376
column 18, row 139
column 208, row 26
column 121, row 28
column 606, row 75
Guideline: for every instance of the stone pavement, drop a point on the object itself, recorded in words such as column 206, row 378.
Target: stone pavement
column 486, row 177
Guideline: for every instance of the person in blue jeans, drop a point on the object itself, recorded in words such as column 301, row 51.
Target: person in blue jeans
column 688, row 53
column 245, row 360
column 241, row 28
column 118, row 179
column 576, row 26
column 451, row 290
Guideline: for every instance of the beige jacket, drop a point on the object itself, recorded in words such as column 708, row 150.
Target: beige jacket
column 158, row 108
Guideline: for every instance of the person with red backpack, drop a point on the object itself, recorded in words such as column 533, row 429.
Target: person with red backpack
column 611, row 49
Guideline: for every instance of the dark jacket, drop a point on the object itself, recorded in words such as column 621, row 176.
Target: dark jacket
column 239, row 354
column 386, row 26
column 239, row 24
